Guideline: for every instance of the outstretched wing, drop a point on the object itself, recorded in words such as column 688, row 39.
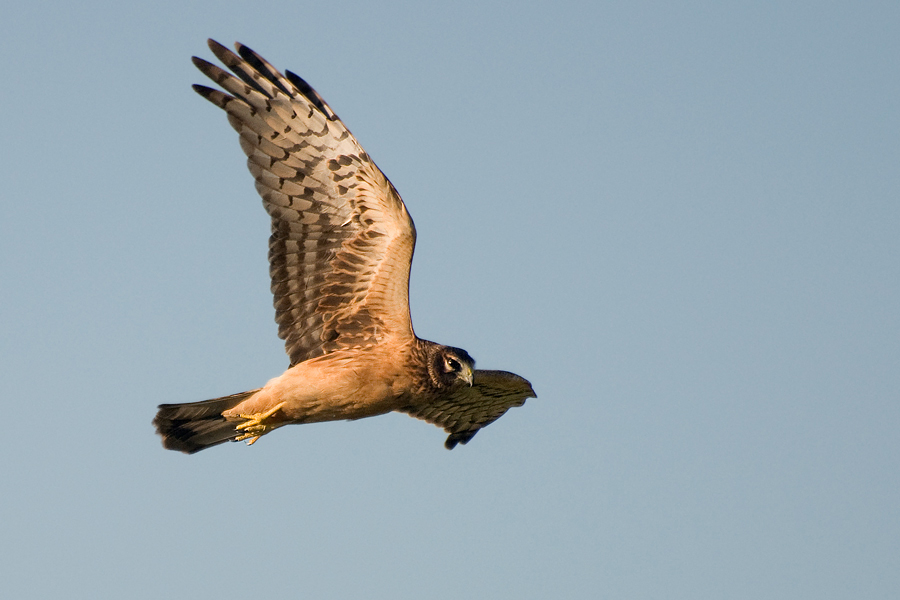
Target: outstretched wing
column 342, row 241
column 467, row 409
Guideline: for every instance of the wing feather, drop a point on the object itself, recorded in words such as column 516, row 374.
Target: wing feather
column 463, row 412
column 342, row 240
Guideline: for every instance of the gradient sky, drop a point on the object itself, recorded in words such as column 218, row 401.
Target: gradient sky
column 681, row 223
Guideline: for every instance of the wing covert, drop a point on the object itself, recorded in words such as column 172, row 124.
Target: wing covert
column 342, row 240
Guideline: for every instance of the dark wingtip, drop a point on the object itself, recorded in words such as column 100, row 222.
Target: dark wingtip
column 245, row 52
column 459, row 438
column 206, row 92
column 214, row 45
column 218, row 98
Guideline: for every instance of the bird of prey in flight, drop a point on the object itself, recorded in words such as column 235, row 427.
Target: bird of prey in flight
column 339, row 259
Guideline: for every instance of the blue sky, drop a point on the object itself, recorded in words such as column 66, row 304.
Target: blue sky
column 680, row 222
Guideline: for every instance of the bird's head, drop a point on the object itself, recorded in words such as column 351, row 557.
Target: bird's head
column 450, row 366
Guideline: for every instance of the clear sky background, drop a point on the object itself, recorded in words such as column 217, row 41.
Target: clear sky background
column 680, row 222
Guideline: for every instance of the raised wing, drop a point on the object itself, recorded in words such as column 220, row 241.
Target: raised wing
column 467, row 409
column 342, row 240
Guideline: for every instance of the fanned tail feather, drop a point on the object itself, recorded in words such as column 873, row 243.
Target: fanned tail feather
column 195, row 426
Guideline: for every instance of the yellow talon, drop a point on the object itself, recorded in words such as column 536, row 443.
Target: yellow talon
column 255, row 425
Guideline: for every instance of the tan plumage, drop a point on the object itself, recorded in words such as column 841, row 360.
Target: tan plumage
column 339, row 254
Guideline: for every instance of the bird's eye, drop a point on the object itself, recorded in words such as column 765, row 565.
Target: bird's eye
column 453, row 364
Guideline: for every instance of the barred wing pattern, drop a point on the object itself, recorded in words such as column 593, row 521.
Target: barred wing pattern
column 467, row 409
column 342, row 240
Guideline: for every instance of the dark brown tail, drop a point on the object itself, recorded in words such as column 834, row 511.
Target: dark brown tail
column 195, row 426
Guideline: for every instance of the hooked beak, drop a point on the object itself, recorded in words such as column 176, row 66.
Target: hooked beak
column 468, row 376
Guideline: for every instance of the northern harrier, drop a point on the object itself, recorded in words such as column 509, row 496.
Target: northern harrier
column 339, row 258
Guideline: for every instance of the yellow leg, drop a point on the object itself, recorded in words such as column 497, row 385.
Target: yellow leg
column 255, row 425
